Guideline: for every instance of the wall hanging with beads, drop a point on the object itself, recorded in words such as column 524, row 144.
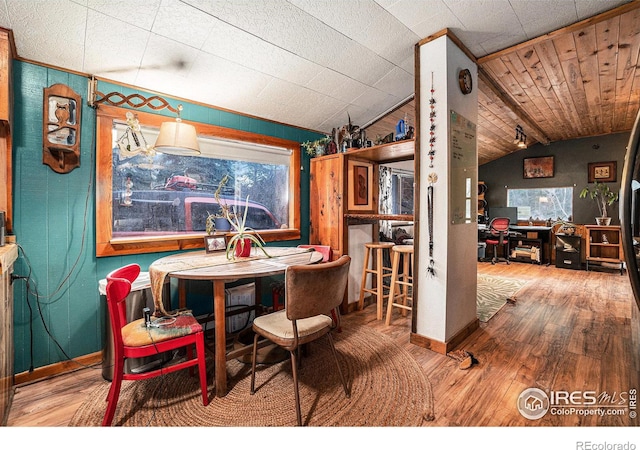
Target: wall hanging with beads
column 432, row 124
column 61, row 128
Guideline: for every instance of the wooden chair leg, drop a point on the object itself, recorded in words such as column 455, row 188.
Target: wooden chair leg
column 392, row 286
column 364, row 279
column 379, row 284
column 202, row 368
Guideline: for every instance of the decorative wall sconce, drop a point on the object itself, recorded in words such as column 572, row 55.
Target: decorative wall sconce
column 175, row 138
column 61, row 128
column 521, row 138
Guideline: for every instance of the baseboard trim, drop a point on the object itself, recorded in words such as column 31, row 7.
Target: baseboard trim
column 444, row 347
column 59, row 368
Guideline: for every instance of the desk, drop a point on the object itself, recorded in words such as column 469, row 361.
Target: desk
column 519, row 233
column 218, row 269
column 543, row 235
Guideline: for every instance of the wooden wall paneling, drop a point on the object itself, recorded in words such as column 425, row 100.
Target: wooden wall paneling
column 326, row 190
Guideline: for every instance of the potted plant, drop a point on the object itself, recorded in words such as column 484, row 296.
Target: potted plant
column 604, row 197
column 239, row 244
column 315, row 148
column 221, row 221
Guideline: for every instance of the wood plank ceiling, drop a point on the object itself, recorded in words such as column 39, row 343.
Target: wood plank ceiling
column 579, row 81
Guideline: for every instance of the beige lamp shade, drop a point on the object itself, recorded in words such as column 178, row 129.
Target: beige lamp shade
column 177, row 138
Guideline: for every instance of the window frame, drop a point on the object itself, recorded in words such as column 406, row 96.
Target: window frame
column 107, row 245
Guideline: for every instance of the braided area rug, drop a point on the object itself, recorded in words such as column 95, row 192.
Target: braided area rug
column 388, row 388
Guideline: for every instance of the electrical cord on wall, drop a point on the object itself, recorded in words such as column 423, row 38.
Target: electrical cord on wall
column 59, row 289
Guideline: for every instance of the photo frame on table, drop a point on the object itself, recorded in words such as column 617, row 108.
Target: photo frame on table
column 603, row 172
column 214, row 243
column 360, row 186
column 540, row 167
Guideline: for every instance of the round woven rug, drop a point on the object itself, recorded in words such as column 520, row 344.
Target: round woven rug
column 388, row 388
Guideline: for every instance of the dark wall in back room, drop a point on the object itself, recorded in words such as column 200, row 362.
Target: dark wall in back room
column 570, row 170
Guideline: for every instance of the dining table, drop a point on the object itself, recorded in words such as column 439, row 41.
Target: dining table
column 220, row 269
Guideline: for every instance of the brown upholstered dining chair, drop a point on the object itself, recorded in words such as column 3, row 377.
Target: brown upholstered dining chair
column 137, row 340
column 313, row 292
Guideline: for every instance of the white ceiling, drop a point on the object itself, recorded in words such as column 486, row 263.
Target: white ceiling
column 310, row 63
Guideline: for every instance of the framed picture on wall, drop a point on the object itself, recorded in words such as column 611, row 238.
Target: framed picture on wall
column 603, row 172
column 541, row 167
column 360, row 186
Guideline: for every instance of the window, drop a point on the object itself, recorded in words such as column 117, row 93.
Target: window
column 402, row 191
column 161, row 204
column 542, row 203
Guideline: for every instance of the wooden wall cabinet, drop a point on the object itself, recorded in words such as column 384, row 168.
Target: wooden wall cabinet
column 8, row 255
column 603, row 245
column 339, row 201
column 6, row 109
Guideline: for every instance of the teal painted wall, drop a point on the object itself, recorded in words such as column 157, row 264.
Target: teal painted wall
column 59, row 313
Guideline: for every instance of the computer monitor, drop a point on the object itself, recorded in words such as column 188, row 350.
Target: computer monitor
column 504, row 211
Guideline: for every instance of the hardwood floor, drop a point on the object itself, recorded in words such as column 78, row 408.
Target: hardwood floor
column 568, row 331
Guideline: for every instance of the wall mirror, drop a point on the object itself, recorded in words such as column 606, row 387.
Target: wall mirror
column 161, row 203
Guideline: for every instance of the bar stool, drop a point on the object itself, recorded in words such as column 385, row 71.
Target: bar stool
column 380, row 271
column 401, row 280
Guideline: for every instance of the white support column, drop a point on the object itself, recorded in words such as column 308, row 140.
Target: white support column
column 447, row 299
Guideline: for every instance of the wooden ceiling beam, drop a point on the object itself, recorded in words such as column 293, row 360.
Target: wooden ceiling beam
column 532, row 128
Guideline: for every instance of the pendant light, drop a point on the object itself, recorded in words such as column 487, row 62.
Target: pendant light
column 177, row 138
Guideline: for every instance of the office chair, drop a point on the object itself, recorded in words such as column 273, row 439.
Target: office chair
column 136, row 340
column 313, row 291
column 499, row 230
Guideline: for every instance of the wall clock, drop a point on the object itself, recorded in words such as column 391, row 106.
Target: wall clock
column 466, row 83
column 61, row 128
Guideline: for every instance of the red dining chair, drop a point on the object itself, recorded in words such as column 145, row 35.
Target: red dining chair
column 137, row 340
column 499, row 230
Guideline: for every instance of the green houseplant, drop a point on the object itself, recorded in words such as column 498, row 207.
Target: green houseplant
column 220, row 220
column 240, row 243
column 604, row 197
column 317, row 147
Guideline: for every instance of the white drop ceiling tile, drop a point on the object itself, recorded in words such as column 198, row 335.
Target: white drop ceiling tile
column 180, row 22
column 375, row 28
column 281, row 23
column 433, row 24
column 4, row 16
column 39, row 36
column 492, row 42
column 112, row 45
column 134, row 12
column 412, row 12
column 408, row 65
column 227, row 79
column 588, row 8
column 336, row 85
column 235, row 45
column 362, row 64
column 163, row 54
column 397, row 82
column 375, row 100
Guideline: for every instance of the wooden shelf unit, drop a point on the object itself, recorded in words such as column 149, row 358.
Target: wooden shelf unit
column 331, row 200
column 604, row 245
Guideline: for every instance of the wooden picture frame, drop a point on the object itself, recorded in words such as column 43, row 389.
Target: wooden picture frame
column 360, row 186
column 540, row 167
column 214, row 243
column 603, row 172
